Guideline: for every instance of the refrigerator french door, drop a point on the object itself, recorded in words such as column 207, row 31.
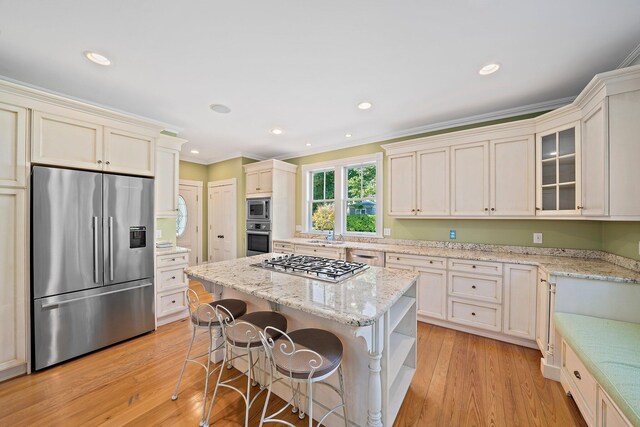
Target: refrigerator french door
column 91, row 261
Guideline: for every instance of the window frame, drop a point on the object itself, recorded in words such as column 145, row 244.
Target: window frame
column 339, row 167
column 310, row 200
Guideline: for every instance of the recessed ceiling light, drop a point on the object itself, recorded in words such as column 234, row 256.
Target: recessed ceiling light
column 219, row 108
column 347, row 135
column 308, row 144
column 277, row 131
column 97, row 58
column 489, row 69
column 195, row 152
column 364, row 105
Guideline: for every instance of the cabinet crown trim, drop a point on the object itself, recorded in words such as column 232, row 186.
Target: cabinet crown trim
column 270, row 164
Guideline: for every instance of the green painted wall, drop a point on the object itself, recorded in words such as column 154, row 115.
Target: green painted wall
column 621, row 238
column 168, row 228
column 198, row 172
column 565, row 234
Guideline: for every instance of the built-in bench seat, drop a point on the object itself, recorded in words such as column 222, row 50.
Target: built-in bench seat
column 610, row 351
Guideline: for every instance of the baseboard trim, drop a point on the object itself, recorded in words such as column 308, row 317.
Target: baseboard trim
column 550, row 372
column 480, row 332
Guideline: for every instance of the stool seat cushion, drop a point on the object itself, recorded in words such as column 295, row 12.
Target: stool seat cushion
column 246, row 329
column 235, row 306
column 300, row 364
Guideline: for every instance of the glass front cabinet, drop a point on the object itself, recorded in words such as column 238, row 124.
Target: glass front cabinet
column 558, row 171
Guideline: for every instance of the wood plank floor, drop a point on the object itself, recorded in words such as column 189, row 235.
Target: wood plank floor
column 461, row 380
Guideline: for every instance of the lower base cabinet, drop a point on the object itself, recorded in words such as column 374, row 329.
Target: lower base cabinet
column 520, row 301
column 171, row 287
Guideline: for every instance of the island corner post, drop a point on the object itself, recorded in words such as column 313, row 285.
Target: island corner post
column 373, row 314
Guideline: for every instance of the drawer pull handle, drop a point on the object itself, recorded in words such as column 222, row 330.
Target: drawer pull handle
column 397, row 259
column 173, row 259
column 173, row 301
column 543, row 280
column 473, row 286
column 430, row 262
column 473, row 266
column 577, row 375
column 173, row 277
column 473, row 313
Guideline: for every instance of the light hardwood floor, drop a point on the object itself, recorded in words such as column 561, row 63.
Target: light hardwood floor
column 462, row 380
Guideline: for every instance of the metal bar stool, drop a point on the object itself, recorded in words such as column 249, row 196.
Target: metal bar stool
column 305, row 357
column 203, row 318
column 242, row 337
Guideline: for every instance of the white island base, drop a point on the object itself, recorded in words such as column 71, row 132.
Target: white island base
column 379, row 360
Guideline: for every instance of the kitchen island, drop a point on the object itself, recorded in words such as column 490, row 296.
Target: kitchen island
column 373, row 313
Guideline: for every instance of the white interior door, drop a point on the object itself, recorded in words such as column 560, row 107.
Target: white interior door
column 222, row 220
column 189, row 221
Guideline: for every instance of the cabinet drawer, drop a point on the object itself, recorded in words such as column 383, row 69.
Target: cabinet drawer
column 171, row 302
column 320, row 251
column 482, row 267
column 285, row 248
column 416, row 260
column 173, row 260
column 480, row 315
column 608, row 413
column 583, row 386
column 170, row 278
column 476, row 287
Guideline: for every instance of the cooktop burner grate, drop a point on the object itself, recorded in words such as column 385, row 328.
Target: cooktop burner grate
column 330, row 270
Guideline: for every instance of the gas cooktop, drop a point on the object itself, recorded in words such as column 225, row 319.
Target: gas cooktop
column 326, row 269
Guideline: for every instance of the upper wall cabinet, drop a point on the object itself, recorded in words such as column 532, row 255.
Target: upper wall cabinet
column 167, row 177
column 77, row 143
column 127, row 152
column 13, row 143
column 595, row 160
column 260, row 181
column 63, row 141
column 433, row 182
column 402, row 181
column 470, row 179
column 512, row 177
column 558, row 171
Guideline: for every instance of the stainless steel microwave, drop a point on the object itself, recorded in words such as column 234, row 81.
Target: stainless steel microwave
column 259, row 209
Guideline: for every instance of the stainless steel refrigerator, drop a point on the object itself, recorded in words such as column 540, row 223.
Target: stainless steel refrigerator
column 91, row 261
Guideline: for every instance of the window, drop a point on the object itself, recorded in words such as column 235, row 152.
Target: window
column 322, row 202
column 344, row 195
column 360, row 200
column 181, row 222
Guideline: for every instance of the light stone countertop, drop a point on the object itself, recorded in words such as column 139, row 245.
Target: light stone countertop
column 582, row 265
column 172, row 251
column 357, row 301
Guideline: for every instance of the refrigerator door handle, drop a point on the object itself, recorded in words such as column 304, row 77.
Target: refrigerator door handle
column 59, row 303
column 110, row 248
column 96, row 279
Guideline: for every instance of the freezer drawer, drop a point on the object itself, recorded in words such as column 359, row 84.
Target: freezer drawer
column 73, row 324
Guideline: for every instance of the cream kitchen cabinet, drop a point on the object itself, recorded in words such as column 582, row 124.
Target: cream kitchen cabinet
column 558, row 172
column 171, row 285
column 259, row 182
column 167, row 176
column 433, row 182
column 321, row 251
column 432, row 283
column 79, row 143
column 128, row 152
column 63, row 141
column 13, row 145
column 470, row 179
column 595, row 160
column 512, row 176
column 13, row 284
column 519, row 317
column 402, row 184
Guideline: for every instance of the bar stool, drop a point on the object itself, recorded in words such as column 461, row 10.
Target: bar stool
column 305, row 356
column 203, row 318
column 243, row 335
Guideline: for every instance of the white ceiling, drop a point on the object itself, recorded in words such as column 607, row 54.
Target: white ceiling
column 304, row 65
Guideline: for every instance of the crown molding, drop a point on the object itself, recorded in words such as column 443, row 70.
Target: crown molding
column 633, row 56
column 40, row 94
column 212, row 160
column 479, row 118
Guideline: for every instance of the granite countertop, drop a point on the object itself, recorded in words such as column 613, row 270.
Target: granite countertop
column 358, row 301
column 583, row 265
column 172, row 251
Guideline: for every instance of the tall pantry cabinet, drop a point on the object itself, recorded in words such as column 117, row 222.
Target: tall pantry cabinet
column 13, row 240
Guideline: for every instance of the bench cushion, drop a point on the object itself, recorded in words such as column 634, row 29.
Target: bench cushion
column 610, row 350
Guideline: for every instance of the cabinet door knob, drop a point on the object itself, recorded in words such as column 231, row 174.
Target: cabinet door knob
column 473, row 286
column 493, row 209
column 173, row 301
column 543, row 280
column 99, row 162
column 397, row 259
column 473, row 313
column 108, row 162
column 173, row 277
column 418, row 210
column 538, row 209
column 430, row 262
column 577, row 375
column 473, row 266
column 413, row 210
column 486, row 209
